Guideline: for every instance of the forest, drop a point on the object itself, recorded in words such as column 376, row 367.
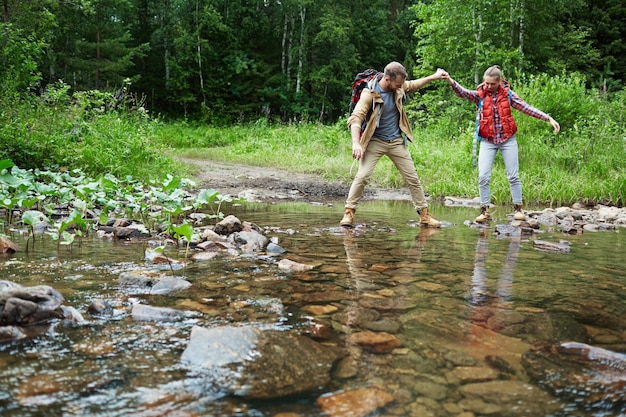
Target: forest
column 223, row 61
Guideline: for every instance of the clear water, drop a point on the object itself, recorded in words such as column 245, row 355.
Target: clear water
column 459, row 295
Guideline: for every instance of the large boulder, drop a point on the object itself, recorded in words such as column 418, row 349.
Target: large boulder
column 259, row 364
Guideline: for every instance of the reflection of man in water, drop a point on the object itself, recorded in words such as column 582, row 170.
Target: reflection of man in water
column 367, row 274
column 490, row 306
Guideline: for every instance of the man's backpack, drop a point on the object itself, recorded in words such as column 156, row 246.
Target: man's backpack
column 359, row 83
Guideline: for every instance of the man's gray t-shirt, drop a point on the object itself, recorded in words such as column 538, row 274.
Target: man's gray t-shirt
column 389, row 125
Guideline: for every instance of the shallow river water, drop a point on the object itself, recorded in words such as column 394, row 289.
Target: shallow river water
column 465, row 304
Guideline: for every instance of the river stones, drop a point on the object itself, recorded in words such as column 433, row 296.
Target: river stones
column 587, row 375
column 545, row 245
column 258, row 364
column 29, row 305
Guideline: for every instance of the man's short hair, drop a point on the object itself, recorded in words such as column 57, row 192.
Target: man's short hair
column 395, row 69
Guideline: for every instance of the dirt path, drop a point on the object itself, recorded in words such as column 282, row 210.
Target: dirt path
column 271, row 184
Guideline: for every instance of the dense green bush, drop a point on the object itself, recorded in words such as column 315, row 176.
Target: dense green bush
column 95, row 131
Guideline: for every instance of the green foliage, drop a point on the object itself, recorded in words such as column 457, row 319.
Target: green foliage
column 582, row 163
column 91, row 130
column 564, row 97
column 73, row 198
column 19, row 52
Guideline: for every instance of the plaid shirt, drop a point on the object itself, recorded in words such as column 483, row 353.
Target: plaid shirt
column 516, row 103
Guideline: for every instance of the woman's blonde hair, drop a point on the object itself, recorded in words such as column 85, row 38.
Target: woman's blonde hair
column 493, row 71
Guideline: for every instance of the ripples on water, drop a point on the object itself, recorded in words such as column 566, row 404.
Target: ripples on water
column 467, row 307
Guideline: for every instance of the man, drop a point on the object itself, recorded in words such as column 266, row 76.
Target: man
column 496, row 132
column 386, row 133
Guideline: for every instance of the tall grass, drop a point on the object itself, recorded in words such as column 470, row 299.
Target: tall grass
column 96, row 132
column 105, row 133
column 582, row 163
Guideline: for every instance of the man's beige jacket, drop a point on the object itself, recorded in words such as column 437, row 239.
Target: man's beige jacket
column 371, row 99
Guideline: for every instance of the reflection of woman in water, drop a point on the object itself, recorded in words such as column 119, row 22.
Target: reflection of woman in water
column 488, row 307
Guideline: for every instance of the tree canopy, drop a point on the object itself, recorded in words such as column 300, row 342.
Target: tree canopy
column 222, row 61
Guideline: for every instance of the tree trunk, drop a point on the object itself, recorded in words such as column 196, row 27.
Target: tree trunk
column 301, row 49
column 477, row 22
column 199, row 51
column 283, row 52
column 521, row 33
column 289, row 52
column 97, row 46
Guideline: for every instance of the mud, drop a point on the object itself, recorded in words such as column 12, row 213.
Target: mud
column 270, row 184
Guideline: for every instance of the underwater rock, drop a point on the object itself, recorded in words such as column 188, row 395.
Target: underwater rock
column 142, row 312
column 259, row 364
column 587, row 375
column 551, row 246
column 358, row 402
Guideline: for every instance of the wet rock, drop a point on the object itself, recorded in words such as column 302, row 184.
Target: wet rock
column 498, row 363
column 359, row 402
column 127, row 233
column 142, row 312
column 611, row 214
column 386, row 304
column 72, row 315
column 544, row 245
column 7, row 246
column 318, row 310
column 506, row 398
column 138, row 279
column 388, row 326
column 30, row 305
column 471, row 374
column 229, row 225
column 508, row 230
column 8, row 285
column 292, row 266
column 150, row 282
column 585, row 374
column 325, row 297
column 209, row 235
column 356, row 316
column 168, row 285
column 259, row 364
column 375, row 342
column 274, row 248
column 346, row 368
column 100, row 308
column 590, row 227
column 250, row 241
column 118, row 223
column 11, row 333
column 204, row 256
column 547, row 217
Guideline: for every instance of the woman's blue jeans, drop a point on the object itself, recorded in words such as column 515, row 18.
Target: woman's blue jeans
column 487, row 155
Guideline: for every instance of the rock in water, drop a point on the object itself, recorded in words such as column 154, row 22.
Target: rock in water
column 259, row 364
column 588, row 375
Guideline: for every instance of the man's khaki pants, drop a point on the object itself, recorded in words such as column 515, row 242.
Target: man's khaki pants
column 399, row 154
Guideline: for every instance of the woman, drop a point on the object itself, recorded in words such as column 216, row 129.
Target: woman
column 496, row 132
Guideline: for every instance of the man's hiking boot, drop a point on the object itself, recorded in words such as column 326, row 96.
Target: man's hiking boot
column 348, row 218
column 484, row 216
column 427, row 220
column 519, row 212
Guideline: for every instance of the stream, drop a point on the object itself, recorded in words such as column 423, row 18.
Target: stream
column 478, row 317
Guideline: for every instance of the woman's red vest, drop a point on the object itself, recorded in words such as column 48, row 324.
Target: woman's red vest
column 487, row 124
